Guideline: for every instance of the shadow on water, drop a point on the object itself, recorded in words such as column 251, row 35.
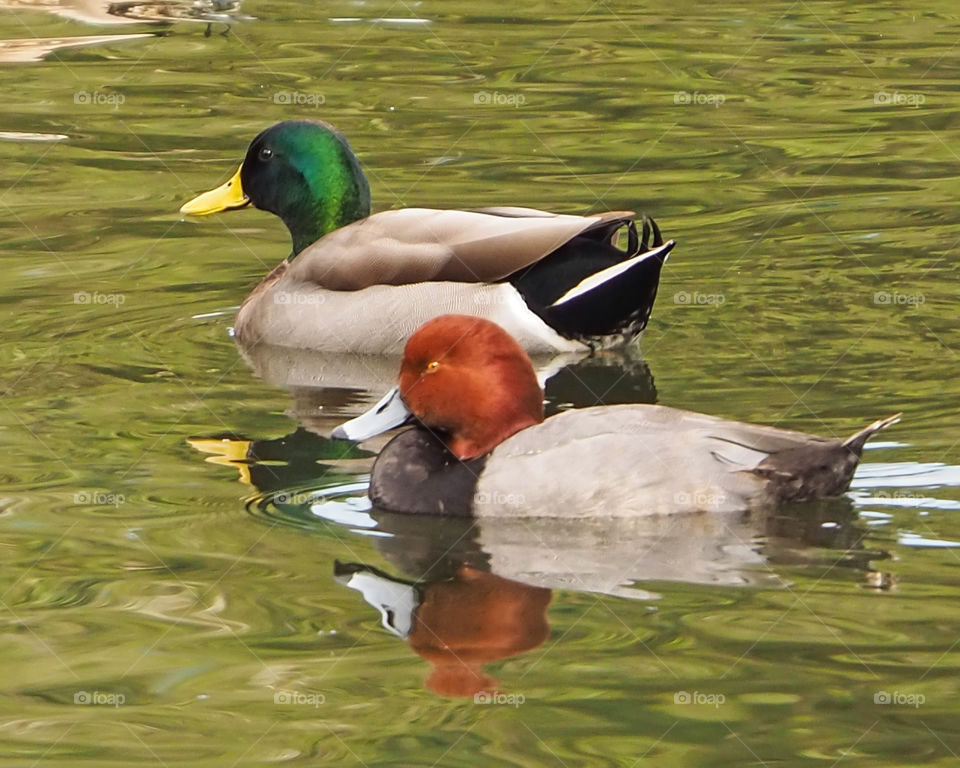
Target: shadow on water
column 324, row 386
column 337, row 381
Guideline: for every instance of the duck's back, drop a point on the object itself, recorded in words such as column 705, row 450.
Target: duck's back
column 633, row 460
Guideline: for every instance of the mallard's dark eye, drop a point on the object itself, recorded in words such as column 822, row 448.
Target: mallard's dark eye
column 266, row 153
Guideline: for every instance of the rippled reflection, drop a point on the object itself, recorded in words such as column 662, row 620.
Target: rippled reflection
column 132, row 11
column 35, row 49
column 474, row 592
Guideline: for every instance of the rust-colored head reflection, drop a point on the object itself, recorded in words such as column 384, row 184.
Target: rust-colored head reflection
column 475, row 619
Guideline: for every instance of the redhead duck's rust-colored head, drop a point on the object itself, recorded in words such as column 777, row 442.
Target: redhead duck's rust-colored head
column 466, row 377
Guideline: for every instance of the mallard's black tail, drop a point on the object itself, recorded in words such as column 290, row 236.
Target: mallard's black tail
column 590, row 290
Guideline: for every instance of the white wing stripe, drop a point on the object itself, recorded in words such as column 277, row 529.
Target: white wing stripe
column 604, row 275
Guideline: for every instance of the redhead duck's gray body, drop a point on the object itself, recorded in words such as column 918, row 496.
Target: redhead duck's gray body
column 481, row 447
column 625, row 460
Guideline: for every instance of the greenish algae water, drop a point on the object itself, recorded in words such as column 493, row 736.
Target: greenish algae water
column 171, row 513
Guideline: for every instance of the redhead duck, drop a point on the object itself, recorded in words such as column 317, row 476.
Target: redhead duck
column 362, row 283
column 482, row 447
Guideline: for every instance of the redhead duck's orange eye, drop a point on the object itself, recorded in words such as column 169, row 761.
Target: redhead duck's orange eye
column 431, row 367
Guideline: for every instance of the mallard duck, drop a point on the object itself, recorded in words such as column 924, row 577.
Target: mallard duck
column 358, row 282
column 481, row 446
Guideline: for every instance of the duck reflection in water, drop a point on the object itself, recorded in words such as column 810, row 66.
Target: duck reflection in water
column 471, row 593
column 458, row 625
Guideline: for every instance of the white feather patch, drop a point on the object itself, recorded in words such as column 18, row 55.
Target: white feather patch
column 605, row 275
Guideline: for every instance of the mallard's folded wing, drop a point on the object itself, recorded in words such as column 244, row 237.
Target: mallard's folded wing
column 414, row 245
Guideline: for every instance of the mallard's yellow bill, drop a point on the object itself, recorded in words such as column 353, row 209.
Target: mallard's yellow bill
column 226, row 196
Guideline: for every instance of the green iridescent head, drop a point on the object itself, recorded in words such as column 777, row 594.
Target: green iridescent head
column 303, row 171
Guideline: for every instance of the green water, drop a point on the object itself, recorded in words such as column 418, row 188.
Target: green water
column 191, row 599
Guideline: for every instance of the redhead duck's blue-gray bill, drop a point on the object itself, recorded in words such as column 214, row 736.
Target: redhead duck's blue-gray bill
column 389, row 412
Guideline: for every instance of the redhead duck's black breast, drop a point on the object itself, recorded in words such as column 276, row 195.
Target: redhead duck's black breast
column 416, row 474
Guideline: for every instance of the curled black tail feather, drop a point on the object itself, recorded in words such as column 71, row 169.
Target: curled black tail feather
column 648, row 226
column 856, row 442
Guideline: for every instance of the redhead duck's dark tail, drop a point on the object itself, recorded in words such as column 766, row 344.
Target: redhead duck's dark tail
column 856, row 442
column 819, row 468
